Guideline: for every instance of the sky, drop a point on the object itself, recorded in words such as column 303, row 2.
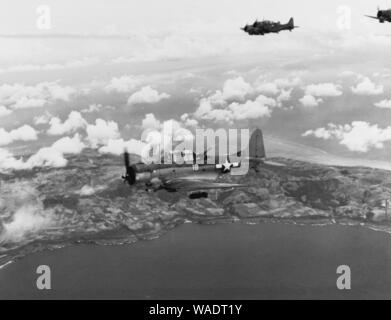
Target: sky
column 94, row 16
column 77, row 74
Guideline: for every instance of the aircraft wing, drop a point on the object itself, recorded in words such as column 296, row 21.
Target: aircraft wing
column 186, row 184
column 373, row 17
column 234, row 165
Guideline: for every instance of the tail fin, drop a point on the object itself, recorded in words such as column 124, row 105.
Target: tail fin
column 291, row 23
column 256, row 145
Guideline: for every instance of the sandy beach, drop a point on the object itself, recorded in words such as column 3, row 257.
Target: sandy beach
column 223, row 261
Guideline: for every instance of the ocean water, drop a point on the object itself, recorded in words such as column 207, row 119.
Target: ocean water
column 220, row 261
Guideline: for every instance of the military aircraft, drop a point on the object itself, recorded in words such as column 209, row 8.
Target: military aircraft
column 266, row 26
column 382, row 15
column 193, row 178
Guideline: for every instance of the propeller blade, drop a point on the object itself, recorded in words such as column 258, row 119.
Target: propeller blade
column 130, row 176
column 126, row 160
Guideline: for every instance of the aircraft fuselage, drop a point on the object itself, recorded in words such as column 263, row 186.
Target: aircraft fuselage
column 146, row 173
column 264, row 27
column 384, row 15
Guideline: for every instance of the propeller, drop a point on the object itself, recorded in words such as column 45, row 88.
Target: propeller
column 130, row 175
column 126, row 159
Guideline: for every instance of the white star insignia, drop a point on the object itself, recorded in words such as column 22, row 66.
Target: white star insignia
column 226, row 166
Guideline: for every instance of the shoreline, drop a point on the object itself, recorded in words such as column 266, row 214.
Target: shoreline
column 103, row 241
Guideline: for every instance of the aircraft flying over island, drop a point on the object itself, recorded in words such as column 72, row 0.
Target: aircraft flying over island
column 192, row 178
column 382, row 15
column 265, row 26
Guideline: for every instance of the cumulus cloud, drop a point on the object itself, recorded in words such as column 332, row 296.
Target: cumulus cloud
column 267, row 88
column 92, row 108
column 21, row 96
column 74, row 122
column 385, row 104
column 117, row 146
column 46, row 157
column 359, row 136
column 285, row 95
column 123, row 84
column 207, row 111
column 323, row 90
column 367, row 87
column 162, row 136
column 9, row 162
column 43, row 118
column 251, row 109
column 280, row 87
column 52, row 156
column 150, row 122
column 310, row 101
column 23, row 133
column 96, row 108
column 229, row 104
column 147, row 95
column 233, row 89
column 101, row 132
column 322, row 133
column 188, row 121
column 69, row 145
column 4, row 111
column 236, row 88
column 25, row 103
